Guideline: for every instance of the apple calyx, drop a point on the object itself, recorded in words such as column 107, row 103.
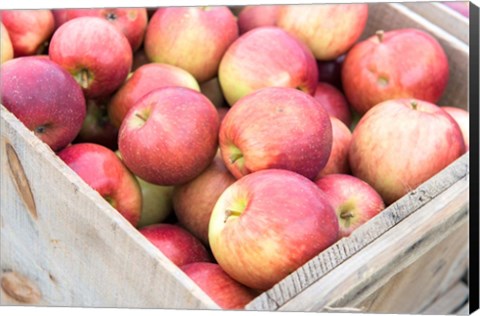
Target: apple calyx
column 414, row 105
column 110, row 201
column 111, row 16
column 379, row 35
column 84, row 78
column 41, row 129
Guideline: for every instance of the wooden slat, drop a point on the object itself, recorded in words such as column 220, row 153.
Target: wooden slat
column 464, row 310
column 70, row 243
column 449, row 302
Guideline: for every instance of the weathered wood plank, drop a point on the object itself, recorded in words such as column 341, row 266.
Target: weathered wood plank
column 449, row 302
column 70, row 243
column 464, row 310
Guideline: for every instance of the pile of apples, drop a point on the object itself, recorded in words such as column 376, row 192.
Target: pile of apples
column 242, row 141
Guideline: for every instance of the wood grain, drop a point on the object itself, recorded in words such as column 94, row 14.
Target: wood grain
column 449, row 302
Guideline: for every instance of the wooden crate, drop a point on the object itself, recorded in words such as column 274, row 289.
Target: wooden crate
column 63, row 245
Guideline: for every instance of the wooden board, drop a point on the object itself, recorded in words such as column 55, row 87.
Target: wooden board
column 450, row 301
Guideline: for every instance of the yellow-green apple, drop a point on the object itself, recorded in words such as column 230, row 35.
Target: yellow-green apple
column 254, row 16
column 276, row 128
column 330, row 71
column 44, row 97
column 193, row 201
column 462, row 117
column 212, row 90
column 268, row 224
column 176, row 243
column 399, row 144
column 157, row 203
column 329, row 30
column 334, row 102
column 132, row 22
column 97, row 55
column 6, row 48
column 29, row 30
column 144, row 80
column 338, row 159
column 222, row 289
column 266, row 57
column 354, row 201
column 97, row 127
column 104, row 172
column 192, row 38
column 169, row 136
column 402, row 63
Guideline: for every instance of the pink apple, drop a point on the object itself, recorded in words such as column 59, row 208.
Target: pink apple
column 330, row 71
column 222, row 289
column 268, row 224
column 403, row 63
column 354, row 201
column 212, row 90
column 97, row 55
column 399, row 144
column 102, row 170
column 462, row 117
column 176, row 243
column 157, row 203
column 29, row 30
column 169, row 136
column 132, row 22
column 329, row 30
column 254, row 16
column 44, row 97
column 192, row 38
column 276, row 128
column 144, row 80
column 334, row 102
column 6, row 48
column 266, row 57
column 193, row 201
column 462, row 7
column 338, row 159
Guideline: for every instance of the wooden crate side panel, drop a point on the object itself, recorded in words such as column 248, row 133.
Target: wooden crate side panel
column 72, row 245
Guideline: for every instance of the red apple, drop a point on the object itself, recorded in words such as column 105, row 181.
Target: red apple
column 399, row 144
column 97, row 127
column 403, row 63
column 212, row 90
column 222, row 289
column 266, row 57
column 132, row 22
column 169, row 136
column 157, row 203
column 462, row 117
column 97, row 55
column 268, row 224
column 192, row 38
column 193, row 201
column 254, row 16
column 176, row 243
column 330, row 71
column 6, row 48
column 354, row 200
column 44, row 97
column 144, row 80
column 329, row 30
column 338, row 159
column 102, row 170
column 276, row 128
column 29, row 30
column 334, row 102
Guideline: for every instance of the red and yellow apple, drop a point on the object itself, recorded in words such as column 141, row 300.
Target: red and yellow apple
column 6, row 48
column 462, row 117
column 253, row 16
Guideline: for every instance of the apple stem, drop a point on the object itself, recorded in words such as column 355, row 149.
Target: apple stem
column 140, row 116
column 379, row 34
column 414, row 105
column 346, row 214
column 229, row 213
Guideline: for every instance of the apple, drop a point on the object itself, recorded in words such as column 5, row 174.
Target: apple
column 132, row 22
column 268, row 224
column 157, row 203
column 193, row 201
column 212, row 90
column 97, row 55
column 44, row 97
column 334, row 102
column 222, row 111
column 169, row 136
column 254, row 16
column 192, row 38
column 144, row 80
column 276, row 128
column 104, row 172
column 329, row 30
column 29, row 30
column 176, row 243
column 266, row 57
column 338, row 159
column 354, row 200
column 461, row 7
column 403, row 63
column 222, row 289
column 330, row 71
column 97, row 127
column 399, row 144
column 462, row 117
column 6, row 48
